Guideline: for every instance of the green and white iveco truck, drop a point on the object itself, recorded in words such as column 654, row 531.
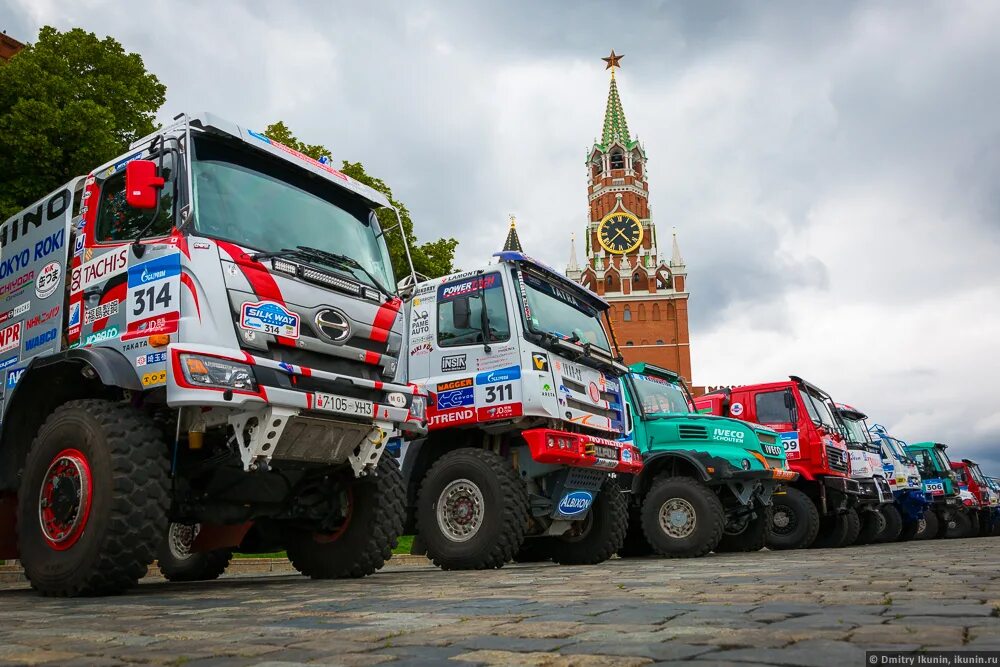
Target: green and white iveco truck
column 707, row 481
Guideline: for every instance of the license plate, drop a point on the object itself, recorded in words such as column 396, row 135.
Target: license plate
column 605, row 452
column 343, row 405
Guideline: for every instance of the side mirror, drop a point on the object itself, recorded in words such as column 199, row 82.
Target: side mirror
column 142, row 184
column 406, row 287
column 461, row 313
column 789, row 400
column 629, row 426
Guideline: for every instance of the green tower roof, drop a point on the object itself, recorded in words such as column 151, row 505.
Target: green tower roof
column 615, row 126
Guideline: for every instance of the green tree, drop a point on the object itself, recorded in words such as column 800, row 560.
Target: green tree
column 432, row 259
column 68, row 103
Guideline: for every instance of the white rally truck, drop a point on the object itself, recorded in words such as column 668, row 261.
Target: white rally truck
column 526, row 455
column 200, row 352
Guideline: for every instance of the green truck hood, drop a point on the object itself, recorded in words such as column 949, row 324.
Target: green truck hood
column 732, row 440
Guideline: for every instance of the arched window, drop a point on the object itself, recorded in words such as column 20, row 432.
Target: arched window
column 656, row 312
column 613, row 312
column 627, row 315
column 659, row 341
column 644, row 342
column 642, row 313
column 617, row 159
column 671, row 312
column 638, row 281
column 628, row 343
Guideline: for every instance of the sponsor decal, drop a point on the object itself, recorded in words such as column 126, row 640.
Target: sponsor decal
column 103, row 311
column 594, row 392
column 165, row 324
column 40, row 318
column 575, row 502
column 15, row 311
column 790, row 442
column 49, row 244
column 421, row 323
column 301, row 156
column 97, row 270
column 573, row 372
column 452, row 417
column 15, row 263
column 456, row 398
column 81, row 242
column 540, row 361
column 454, row 384
column 8, row 362
column 10, row 337
column 12, row 230
column 626, row 455
column 13, row 376
column 17, row 284
column 500, row 375
column 136, row 345
column 74, row 315
column 396, row 399
column 736, row 409
column 421, row 349
column 152, row 358
column 154, row 270
column 102, row 335
column 934, row 488
column 499, row 412
column 500, row 357
column 728, row 435
column 270, row 318
column 150, row 379
column 121, row 164
column 48, row 280
column 452, row 363
column 202, row 246
column 453, row 290
column 40, row 339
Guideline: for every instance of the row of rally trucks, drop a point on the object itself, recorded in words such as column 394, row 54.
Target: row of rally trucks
column 204, row 349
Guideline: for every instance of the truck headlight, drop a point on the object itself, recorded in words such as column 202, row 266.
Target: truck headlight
column 418, row 407
column 213, row 372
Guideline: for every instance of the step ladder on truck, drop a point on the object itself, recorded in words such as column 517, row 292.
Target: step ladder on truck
column 202, row 351
column 523, row 459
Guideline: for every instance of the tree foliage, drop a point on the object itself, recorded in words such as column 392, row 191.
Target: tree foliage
column 432, row 259
column 68, row 103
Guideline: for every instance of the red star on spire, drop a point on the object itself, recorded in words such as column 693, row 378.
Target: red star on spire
column 613, row 60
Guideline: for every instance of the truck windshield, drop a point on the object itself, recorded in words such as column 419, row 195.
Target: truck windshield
column 926, row 463
column 658, row 396
column 977, row 475
column 554, row 309
column 262, row 203
column 897, row 449
column 942, row 459
column 818, row 411
column 857, row 434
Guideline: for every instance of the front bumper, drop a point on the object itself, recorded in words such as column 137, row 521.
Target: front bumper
column 581, row 451
column 844, row 485
column 874, row 492
column 290, row 415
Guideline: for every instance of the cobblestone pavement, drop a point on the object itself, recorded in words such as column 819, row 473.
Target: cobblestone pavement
column 786, row 608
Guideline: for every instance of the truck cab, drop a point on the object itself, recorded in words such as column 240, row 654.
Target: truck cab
column 904, row 479
column 821, row 505
column 981, row 500
column 880, row 521
column 526, row 457
column 940, row 484
column 707, row 481
column 211, row 360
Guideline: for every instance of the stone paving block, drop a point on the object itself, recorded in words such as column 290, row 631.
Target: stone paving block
column 657, row 651
column 550, row 659
column 818, row 653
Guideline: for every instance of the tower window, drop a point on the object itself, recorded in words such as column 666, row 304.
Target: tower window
column 642, row 313
column 627, row 314
column 617, row 159
column 656, row 312
column 629, row 343
column 659, row 341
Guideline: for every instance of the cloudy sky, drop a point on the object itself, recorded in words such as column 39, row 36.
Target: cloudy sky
column 832, row 171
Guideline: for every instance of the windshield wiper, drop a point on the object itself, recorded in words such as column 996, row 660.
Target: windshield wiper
column 319, row 256
column 338, row 260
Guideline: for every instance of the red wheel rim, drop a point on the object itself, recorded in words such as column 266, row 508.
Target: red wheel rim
column 65, row 498
column 326, row 538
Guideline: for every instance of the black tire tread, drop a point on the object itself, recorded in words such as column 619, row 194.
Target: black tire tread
column 717, row 518
column 753, row 538
column 893, row 524
column 138, row 516
column 515, row 515
column 210, row 566
column 811, row 517
column 597, row 547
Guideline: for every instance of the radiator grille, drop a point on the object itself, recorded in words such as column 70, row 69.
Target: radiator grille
column 838, row 458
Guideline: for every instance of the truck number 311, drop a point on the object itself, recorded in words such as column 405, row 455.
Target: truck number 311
column 499, row 392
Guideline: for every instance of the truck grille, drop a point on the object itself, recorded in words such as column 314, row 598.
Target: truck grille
column 323, row 362
column 838, row 458
column 689, row 432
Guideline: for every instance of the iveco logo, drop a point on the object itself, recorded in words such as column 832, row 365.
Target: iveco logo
column 333, row 324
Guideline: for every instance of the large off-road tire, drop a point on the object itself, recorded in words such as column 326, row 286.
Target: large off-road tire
column 636, row 544
column 910, row 530
column 794, row 521
column 93, row 499
column 873, row 523
column 985, row 522
column 931, row 526
column 472, row 511
column 178, row 563
column 960, row 525
column 597, row 537
column 838, row 530
column 368, row 533
column 682, row 517
column 893, row 524
column 747, row 535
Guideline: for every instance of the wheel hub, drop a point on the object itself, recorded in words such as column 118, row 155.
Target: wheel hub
column 64, row 499
column 678, row 518
column 460, row 510
column 180, row 538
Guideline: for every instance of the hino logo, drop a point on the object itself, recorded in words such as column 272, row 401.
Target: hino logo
column 333, row 324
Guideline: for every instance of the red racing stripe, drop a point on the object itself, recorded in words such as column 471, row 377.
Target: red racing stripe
column 261, row 281
column 384, row 318
column 187, row 282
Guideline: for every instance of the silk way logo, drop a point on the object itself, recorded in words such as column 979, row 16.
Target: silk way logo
column 575, row 502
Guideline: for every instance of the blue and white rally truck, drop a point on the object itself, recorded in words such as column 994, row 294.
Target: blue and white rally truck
column 200, row 344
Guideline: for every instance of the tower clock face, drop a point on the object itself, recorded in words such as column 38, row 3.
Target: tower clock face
column 620, row 233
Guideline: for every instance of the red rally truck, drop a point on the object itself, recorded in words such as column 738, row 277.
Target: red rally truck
column 820, row 508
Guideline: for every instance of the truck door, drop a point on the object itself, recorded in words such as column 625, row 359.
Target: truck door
column 776, row 408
